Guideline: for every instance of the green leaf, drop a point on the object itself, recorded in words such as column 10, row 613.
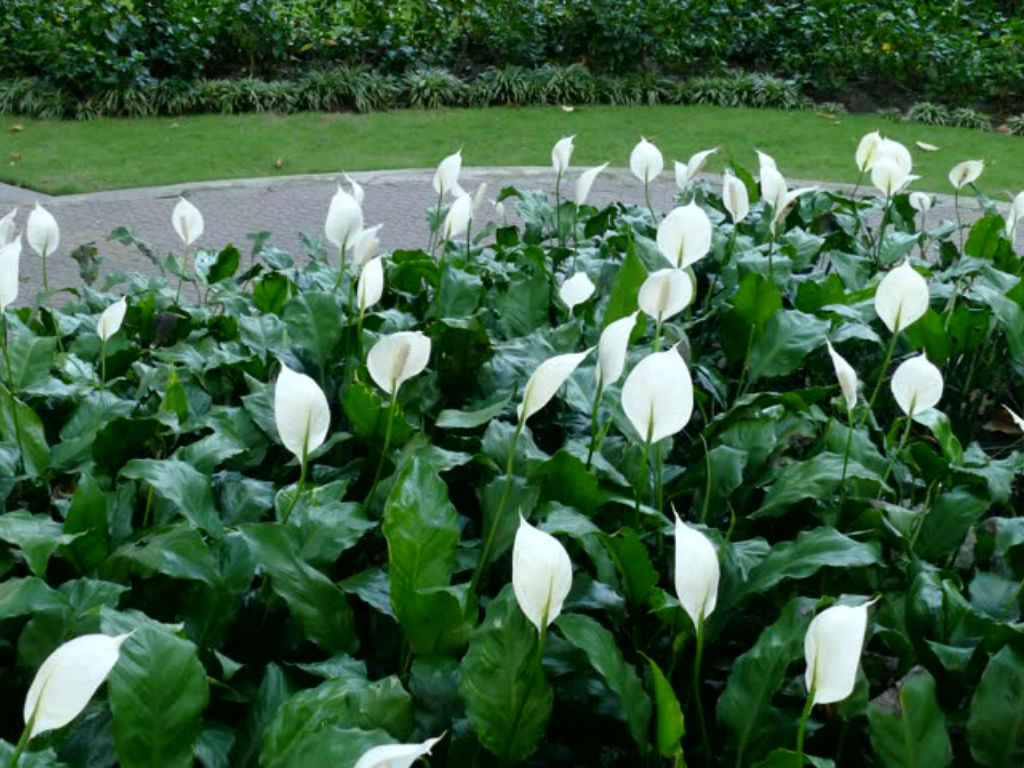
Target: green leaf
column 273, row 691
column 908, row 729
column 45, row 758
column 995, row 727
column 319, row 605
column 634, row 563
column 35, row 450
column 158, row 691
column 178, row 552
column 755, row 301
column 38, row 537
column 524, row 306
column 214, row 268
column 182, row 488
column 625, row 289
column 816, row 478
column 451, row 419
column 522, row 499
column 326, row 526
column 21, row 597
column 508, row 698
column 670, row 726
column 422, row 531
column 788, row 337
column 745, row 706
column 313, row 323
column 32, row 357
column 948, row 521
column 604, row 655
column 271, row 292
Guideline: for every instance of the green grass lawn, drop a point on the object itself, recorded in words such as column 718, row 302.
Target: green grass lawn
column 62, row 157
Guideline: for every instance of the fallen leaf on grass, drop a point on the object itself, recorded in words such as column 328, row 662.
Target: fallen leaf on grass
column 17, row 128
column 927, row 147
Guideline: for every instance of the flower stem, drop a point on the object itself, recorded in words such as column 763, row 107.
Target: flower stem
column 639, row 487
column 881, row 230
column 659, row 491
column 707, row 482
column 298, row 490
column 846, row 453
column 485, row 553
column 341, row 264
column 387, row 443
column 647, row 199
column 959, row 226
column 881, row 375
column 593, row 423
column 558, row 212
column 22, row 742
column 808, row 706
column 10, row 387
column 705, row 739
column 899, row 450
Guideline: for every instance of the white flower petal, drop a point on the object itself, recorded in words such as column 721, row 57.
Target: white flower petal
column 541, row 574
column 456, row 222
column 845, row 375
column 356, row 188
column 396, row 358
column 866, row 150
column 611, row 349
column 446, row 177
column 111, row 319
column 684, row 235
column 344, row 219
column 896, row 152
column 365, row 245
column 735, row 198
column 561, row 153
column 395, row 755
column 966, row 173
column 585, row 182
column 576, row 290
column 832, row 648
column 917, row 386
column 1016, row 418
column 1015, row 214
column 187, row 221
column 7, row 233
column 901, row 297
column 887, row 176
column 645, row 161
column 301, row 412
column 546, row 381
column 665, row 293
column 371, row 284
column 10, row 256
column 693, row 167
column 42, row 232
column 920, row 201
column 764, row 160
column 657, row 396
column 773, row 190
column 697, row 572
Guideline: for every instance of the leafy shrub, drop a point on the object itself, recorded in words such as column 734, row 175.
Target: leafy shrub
column 892, row 114
column 776, row 93
column 432, row 88
column 567, row 85
column 831, row 107
column 929, row 113
column 965, row 117
column 1015, row 124
column 507, row 85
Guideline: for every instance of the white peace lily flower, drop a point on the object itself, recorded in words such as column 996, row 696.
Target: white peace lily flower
column 301, row 412
column 546, row 381
column 920, row 201
column 832, row 648
column 576, row 290
column 446, row 177
column 888, row 177
column 561, row 153
column 7, row 233
column 685, row 174
column 396, row 755
column 396, row 358
column 187, row 222
column 917, row 386
column 898, row 153
column 1014, row 216
column 735, row 198
column 499, row 211
column 966, row 173
column 775, row 193
column 479, row 196
column 67, row 680
column 10, row 256
column 344, row 219
column 42, row 232
column 585, row 182
column 866, row 150
column 657, row 396
column 370, row 287
column 611, row 350
column 365, row 245
column 665, row 293
column 111, row 319
column 645, row 161
column 684, row 235
column 1016, row 418
column 456, row 222
column 901, row 297
column 541, row 574
column 845, row 375
column 764, row 160
column 356, row 188
column 697, row 572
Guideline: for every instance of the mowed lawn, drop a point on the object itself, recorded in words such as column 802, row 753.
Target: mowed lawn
column 59, row 157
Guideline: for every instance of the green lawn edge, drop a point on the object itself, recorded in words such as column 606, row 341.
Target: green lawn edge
column 63, row 157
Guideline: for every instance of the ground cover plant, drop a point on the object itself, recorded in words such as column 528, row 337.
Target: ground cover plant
column 59, row 157
column 732, row 484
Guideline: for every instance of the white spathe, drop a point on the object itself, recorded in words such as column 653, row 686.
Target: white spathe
column 541, row 574
column 1015, row 417
column 901, row 297
column 561, row 154
column 446, row 177
column 344, row 219
column 301, row 412
column 67, row 680
column 546, row 381
column 665, row 293
column 684, row 235
column 111, row 319
column 686, row 173
column 920, row 201
column 397, row 357
column 888, row 177
column 7, row 228
column 42, row 232
column 645, row 161
column 370, row 287
column 456, row 222
column 356, row 189
column 657, row 396
column 735, row 198
column 845, row 375
column 917, row 386
column 576, row 290
column 395, row 755
column 586, row 181
column 611, row 349
column 365, row 245
column 764, row 160
column 1015, row 214
column 697, row 572
column 866, row 150
column 832, row 648
column 966, row 173
column 10, row 256
column 893, row 150
column 187, row 222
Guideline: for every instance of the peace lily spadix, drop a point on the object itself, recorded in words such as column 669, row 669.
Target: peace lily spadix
column 665, row 293
column 456, row 222
column 966, row 173
column 10, row 256
column 396, row 358
column 684, row 235
column 866, row 149
column 657, row 396
column 301, row 413
column 832, row 649
column 576, row 290
column 1015, row 214
column 396, row 755
column 901, row 298
column 541, row 574
column 43, row 236
column 371, row 284
column 735, row 198
column 7, row 230
column 446, row 177
column 845, row 375
column 546, row 380
column 697, row 573
column 187, row 222
column 686, row 173
column 917, row 386
column 67, row 680
column 561, row 154
column 344, row 221
column 586, row 181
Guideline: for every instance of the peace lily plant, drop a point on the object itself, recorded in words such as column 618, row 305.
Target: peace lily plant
column 542, row 497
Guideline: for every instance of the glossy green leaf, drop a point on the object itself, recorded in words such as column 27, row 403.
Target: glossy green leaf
column 908, row 729
column 669, row 724
column 184, row 490
column 995, row 726
column 787, row 339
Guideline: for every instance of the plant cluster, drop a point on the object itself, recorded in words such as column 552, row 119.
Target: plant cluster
column 731, row 485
